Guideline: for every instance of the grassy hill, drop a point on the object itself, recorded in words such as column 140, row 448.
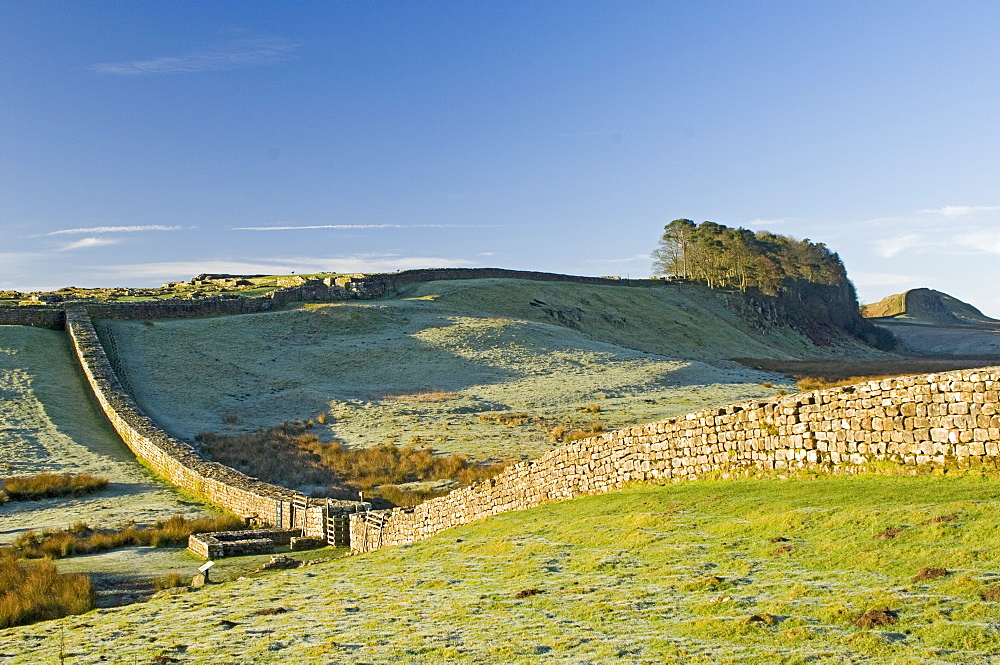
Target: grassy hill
column 748, row 571
column 49, row 422
column 434, row 364
column 927, row 306
column 929, row 322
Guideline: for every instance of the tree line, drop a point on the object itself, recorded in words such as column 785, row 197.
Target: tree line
column 720, row 256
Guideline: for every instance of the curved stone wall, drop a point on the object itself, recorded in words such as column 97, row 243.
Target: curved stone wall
column 951, row 418
column 177, row 461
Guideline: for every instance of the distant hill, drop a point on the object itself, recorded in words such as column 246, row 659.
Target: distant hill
column 927, row 306
column 932, row 323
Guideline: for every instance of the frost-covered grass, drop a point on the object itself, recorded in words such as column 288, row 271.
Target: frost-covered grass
column 680, row 573
column 49, row 423
column 421, row 368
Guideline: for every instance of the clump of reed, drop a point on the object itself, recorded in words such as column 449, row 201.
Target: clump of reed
column 169, row 581
column 36, row 591
column 46, row 485
column 290, row 454
column 80, row 538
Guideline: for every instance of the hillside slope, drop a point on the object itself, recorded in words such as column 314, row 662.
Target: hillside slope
column 424, row 366
column 927, row 306
column 929, row 322
column 686, row 573
column 49, row 422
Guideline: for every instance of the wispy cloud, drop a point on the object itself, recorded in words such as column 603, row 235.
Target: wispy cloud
column 890, row 247
column 171, row 270
column 628, row 259
column 354, row 227
column 960, row 211
column 115, row 229
column 983, row 240
column 766, row 223
column 862, row 278
column 88, row 243
column 954, row 230
column 231, row 55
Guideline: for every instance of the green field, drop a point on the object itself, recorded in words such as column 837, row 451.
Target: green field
column 50, row 422
column 423, row 367
column 676, row 574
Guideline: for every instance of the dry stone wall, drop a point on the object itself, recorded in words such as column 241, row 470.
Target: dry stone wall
column 950, row 418
column 40, row 317
column 177, row 461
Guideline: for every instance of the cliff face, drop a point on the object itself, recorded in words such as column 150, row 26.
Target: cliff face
column 825, row 313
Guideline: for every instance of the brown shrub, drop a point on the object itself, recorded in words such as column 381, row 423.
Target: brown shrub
column 47, row 485
column 32, row 592
column 82, row 539
column 291, row 455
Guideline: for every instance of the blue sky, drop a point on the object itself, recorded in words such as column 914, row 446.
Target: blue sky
column 145, row 142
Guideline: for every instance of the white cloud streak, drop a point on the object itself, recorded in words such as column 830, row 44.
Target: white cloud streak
column 354, row 227
column 173, row 270
column 88, row 243
column 115, row 229
column 232, row 55
column 960, row 211
column 890, row 247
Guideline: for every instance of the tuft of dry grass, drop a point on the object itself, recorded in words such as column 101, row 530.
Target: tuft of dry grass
column 169, row 581
column 80, row 538
column 429, row 395
column 512, row 418
column 31, row 592
column 47, row 485
column 567, row 433
column 818, row 382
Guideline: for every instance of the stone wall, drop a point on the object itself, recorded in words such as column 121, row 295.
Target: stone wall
column 950, row 418
column 40, row 317
column 178, row 462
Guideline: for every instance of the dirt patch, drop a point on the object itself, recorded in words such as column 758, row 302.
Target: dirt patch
column 266, row 611
column 784, row 549
column 889, row 533
column 927, row 574
column 778, row 539
column 940, row 519
column 992, row 594
column 525, row 593
column 764, row 619
column 876, row 618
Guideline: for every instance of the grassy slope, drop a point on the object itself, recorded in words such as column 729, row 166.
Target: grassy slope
column 48, row 422
column 648, row 575
column 484, row 340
